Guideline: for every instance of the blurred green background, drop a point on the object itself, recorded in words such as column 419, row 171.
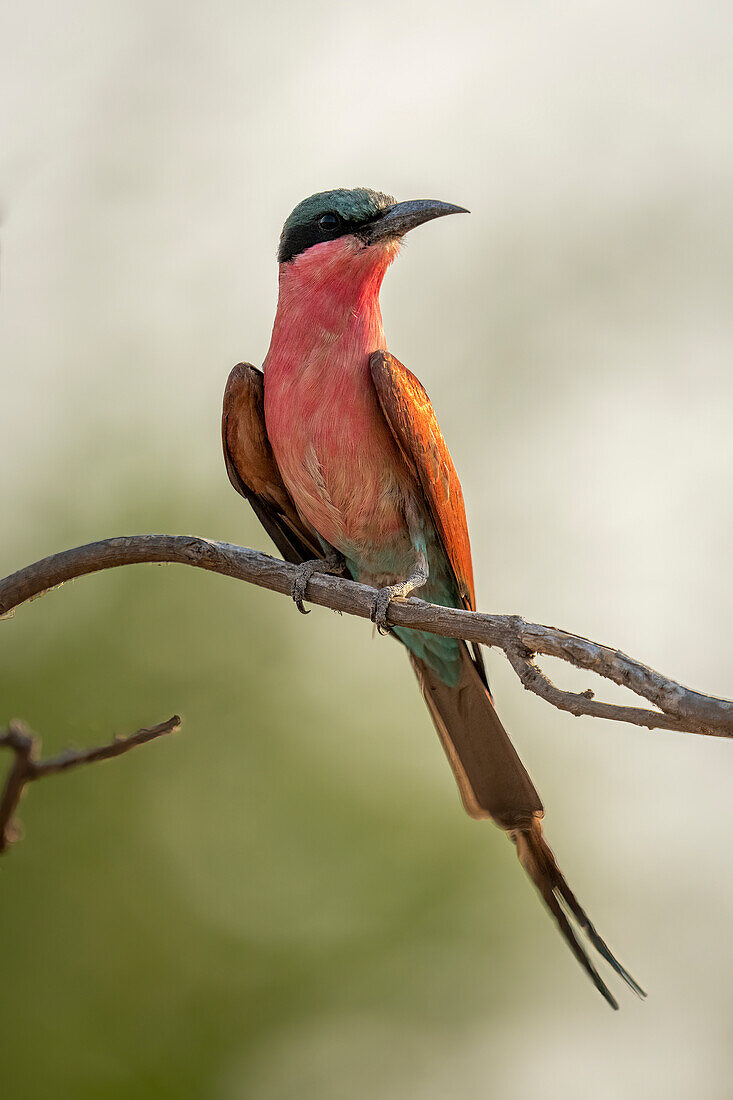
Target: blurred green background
column 285, row 900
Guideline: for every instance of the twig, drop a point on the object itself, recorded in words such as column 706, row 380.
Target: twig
column 679, row 708
column 26, row 767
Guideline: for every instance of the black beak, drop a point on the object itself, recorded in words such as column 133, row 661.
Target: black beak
column 399, row 219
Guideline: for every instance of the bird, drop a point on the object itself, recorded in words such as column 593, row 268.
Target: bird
column 336, row 446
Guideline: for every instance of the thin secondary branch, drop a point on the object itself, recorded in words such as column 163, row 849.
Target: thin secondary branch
column 26, row 767
column 679, row 708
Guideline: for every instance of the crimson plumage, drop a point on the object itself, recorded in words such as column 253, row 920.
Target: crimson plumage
column 346, row 454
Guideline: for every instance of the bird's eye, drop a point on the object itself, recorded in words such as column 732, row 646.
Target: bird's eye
column 329, row 222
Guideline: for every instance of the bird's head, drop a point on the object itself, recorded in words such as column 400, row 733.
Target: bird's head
column 334, row 252
column 371, row 218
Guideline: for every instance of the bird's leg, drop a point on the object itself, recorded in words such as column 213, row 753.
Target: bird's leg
column 416, row 579
column 385, row 596
column 331, row 562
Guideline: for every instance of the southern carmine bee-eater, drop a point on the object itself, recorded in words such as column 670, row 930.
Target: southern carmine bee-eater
column 338, row 450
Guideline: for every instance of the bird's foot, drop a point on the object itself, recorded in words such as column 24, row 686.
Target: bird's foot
column 382, row 601
column 332, row 563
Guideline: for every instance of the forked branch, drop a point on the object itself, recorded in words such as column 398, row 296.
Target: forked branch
column 676, row 707
column 26, row 766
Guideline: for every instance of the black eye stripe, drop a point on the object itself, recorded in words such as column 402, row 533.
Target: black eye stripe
column 325, row 227
column 328, row 215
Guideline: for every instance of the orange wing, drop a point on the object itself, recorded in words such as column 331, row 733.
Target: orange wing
column 414, row 425
column 253, row 470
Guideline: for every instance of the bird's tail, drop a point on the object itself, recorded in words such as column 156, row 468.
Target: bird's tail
column 494, row 783
column 538, row 860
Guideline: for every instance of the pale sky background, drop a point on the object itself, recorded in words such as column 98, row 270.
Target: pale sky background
column 575, row 335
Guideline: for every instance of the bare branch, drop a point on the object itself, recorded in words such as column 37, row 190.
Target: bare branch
column 23, row 745
column 679, row 708
column 26, row 767
column 584, row 703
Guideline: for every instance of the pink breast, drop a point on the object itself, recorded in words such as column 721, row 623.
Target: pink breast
column 330, row 439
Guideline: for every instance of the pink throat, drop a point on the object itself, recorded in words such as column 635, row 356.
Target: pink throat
column 329, row 297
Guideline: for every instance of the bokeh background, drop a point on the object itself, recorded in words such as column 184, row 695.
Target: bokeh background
column 285, row 900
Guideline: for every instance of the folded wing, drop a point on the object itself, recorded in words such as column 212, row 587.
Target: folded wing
column 491, row 778
column 253, row 470
column 415, row 427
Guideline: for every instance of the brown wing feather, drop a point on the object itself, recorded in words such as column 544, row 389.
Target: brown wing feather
column 491, row 778
column 253, row 470
column 490, row 775
column 414, row 425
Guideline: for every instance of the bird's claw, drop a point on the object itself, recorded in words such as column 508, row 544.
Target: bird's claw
column 302, row 576
column 381, row 604
column 304, row 572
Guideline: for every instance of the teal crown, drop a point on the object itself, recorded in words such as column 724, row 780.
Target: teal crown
column 349, row 208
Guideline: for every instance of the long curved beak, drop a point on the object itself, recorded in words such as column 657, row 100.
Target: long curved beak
column 399, row 219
